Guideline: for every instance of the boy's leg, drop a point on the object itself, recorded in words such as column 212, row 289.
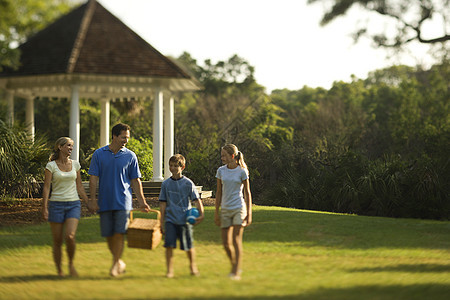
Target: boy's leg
column 116, row 245
column 169, row 262
column 192, row 262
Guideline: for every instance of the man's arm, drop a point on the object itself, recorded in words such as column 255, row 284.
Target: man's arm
column 136, row 185
column 92, row 202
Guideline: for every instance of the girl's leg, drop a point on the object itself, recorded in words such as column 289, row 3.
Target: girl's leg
column 71, row 229
column 192, row 262
column 238, row 232
column 169, row 262
column 227, row 241
column 57, row 234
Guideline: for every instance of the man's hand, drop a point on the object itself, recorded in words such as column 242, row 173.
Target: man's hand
column 92, row 205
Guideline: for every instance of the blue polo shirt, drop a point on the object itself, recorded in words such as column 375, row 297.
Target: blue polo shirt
column 115, row 172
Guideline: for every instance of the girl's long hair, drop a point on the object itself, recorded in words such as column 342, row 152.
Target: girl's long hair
column 238, row 156
column 59, row 142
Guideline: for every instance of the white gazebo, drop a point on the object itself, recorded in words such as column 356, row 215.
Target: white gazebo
column 89, row 53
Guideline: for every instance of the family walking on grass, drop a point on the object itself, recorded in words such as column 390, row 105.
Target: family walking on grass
column 114, row 170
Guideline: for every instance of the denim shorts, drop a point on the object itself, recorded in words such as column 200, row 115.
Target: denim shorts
column 114, row 221
column 184, row 233
column 60, row 211
column 230, row 217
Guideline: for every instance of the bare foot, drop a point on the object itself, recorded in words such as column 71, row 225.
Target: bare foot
column 114, row 272
column 72, row 271
column 170, row 275
column 122, row 266
column 60, row 274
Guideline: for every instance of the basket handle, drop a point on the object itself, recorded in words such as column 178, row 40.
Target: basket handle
column 158, row 213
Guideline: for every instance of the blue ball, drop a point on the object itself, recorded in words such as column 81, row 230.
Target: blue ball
column 191, row 215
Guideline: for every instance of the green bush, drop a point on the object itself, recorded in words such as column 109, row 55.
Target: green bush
column 21, row 162
column 144, row 152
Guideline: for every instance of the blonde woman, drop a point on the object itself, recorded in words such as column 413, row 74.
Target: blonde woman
column 63, row 208
column 233, row 205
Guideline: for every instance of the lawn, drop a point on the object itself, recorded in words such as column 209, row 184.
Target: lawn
column 289, row 254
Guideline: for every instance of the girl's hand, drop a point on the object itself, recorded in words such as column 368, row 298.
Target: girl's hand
column 217, row 219
column 247, row 221
column 45, row 213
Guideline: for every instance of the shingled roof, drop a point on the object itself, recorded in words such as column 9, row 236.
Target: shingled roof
column 90, row 40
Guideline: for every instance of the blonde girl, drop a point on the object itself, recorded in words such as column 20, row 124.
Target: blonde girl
column 233, row 205
column 63, row 209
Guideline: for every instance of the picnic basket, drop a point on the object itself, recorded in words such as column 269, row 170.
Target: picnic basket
column 144, row 233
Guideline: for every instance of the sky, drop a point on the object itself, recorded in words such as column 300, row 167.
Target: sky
column 282, row 39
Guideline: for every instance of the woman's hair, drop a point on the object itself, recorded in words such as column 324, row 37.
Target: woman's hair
column 238, row 156
column 59, row 142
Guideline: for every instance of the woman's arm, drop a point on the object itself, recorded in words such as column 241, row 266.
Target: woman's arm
column 46, row 192
column 248, row 201
column 80, row 188
column 218, row 202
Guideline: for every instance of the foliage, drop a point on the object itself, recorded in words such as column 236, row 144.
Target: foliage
column 373, row 147
column 410, row 19
column 144, row 152
column 21, row 162
column 21, row 19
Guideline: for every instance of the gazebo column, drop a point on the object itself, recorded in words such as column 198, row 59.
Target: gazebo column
column 29, row 116
column 74, row 126
column 104, row 122
column 168, row 134
column 10, row 113
column 158, row 136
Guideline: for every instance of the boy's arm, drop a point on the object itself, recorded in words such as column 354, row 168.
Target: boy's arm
column 162, row 209
column 201, row 210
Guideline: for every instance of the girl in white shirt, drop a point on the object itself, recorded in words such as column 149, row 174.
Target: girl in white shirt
column 233, row 205
column 64, row 207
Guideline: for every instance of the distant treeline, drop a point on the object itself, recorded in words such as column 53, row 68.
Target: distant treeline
column 377, row 146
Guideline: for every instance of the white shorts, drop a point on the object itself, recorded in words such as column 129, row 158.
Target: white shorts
column 232, row 217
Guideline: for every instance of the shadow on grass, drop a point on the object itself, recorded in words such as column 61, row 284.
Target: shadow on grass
column 433, row 291
column 413, row 268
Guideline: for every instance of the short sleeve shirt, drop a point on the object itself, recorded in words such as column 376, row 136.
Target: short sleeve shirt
column 178, row 193
column 232, row 187
column 64, row 187
column 115, row 172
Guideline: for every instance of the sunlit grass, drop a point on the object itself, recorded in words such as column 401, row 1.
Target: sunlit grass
column 289, row 253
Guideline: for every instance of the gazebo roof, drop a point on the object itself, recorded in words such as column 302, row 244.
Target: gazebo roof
column 90, row 46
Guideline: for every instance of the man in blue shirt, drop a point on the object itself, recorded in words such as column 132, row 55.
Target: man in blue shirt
column 115, row 169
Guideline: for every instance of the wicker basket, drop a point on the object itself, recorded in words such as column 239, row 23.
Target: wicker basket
column 144, row 233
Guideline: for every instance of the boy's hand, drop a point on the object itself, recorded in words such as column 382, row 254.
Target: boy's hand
column 199, row 220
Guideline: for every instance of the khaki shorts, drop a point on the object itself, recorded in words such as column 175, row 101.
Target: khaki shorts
column 232, row 217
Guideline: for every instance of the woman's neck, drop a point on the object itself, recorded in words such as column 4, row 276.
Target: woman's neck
column 63, row 159
column 232, row 165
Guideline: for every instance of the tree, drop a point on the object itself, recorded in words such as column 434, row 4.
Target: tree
column 410, row 19
column 20, row 19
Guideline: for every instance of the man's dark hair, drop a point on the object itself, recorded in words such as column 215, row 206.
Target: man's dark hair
column 117, row 129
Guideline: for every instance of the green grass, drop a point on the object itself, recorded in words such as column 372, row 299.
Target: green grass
column 289, row 254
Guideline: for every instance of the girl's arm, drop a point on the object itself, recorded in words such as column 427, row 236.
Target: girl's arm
column 46, row 192
column 218, row 201
column 80, row 188
column 248, row 201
